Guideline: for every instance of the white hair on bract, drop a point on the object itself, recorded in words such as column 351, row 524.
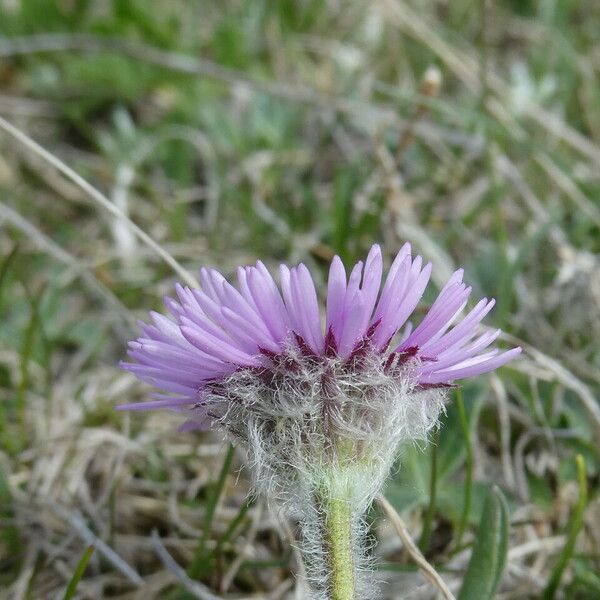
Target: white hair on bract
column 317, row 432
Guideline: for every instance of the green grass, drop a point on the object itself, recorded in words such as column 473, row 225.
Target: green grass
column 240, row 130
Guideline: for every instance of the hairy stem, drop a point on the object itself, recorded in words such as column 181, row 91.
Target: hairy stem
column 338, row 532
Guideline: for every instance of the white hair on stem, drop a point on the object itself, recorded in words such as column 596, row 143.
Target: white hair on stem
column 321, row 437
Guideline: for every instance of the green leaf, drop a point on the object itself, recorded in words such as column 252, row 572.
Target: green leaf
column 451, row 502
column 489, row 551
column 78, row 574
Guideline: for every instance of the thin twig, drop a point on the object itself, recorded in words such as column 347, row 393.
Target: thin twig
column 43, row 242
column 412, row 549
column 195, row 588
column 97, row 196
column 76, row 521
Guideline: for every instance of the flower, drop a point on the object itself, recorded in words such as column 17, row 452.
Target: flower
column 219, row 330
column 320, row 412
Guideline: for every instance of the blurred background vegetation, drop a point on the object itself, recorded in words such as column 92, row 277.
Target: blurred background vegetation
column 292, row 131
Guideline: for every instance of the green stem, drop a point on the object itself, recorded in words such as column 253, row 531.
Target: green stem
column 468, row 487
column 430, row 513
column 338, row 533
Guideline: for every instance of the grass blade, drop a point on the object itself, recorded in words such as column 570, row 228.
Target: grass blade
column 468, row 488
column 430, row 512
column 6, row 264
column 574, row 528
column 78, row 574
column 32, row 330
column 489, row 551
column 248, row 503
column 200, row 560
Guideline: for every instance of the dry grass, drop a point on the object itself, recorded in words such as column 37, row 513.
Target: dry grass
column 289, row 134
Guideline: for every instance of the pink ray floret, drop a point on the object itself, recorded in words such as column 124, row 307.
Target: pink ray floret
column 219, row 329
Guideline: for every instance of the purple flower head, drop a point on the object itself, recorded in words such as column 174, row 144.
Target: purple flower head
column 220, row 330
column 320, row 411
